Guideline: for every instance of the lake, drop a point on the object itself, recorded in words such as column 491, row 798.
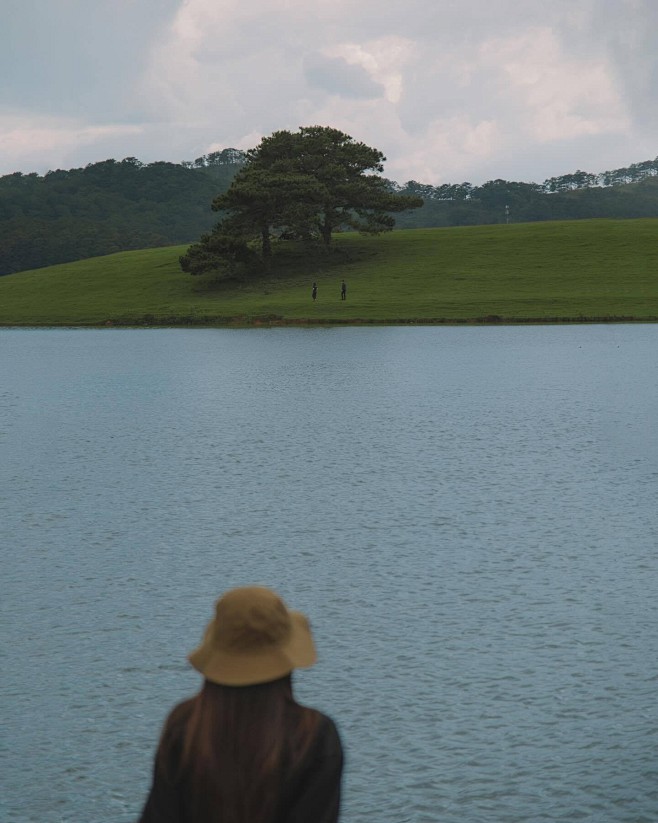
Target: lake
column 468, row 516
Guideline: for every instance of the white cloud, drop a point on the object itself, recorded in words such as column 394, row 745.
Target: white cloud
column 560, row 96
column 384, row 60
column 24, row 141
column 453, row 144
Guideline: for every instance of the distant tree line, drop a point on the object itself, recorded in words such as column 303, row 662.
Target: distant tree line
column 621, row 193
column 107, row 207
column 121, row 205
column 634, row 173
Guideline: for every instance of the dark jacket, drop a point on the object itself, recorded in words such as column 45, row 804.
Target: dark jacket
column 311, row 793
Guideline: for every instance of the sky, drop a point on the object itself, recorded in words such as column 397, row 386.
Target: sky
column 449, row 90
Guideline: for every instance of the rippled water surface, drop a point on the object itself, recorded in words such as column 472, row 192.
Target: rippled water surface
column 468, row 515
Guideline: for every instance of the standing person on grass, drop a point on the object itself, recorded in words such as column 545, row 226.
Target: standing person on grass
column 243, row 750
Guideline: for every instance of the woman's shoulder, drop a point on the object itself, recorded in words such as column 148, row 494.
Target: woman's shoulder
column 313, row 789
column 326, row 725
column 326, row 742
column 181, row 711
column 176, row 721
column 328, row 732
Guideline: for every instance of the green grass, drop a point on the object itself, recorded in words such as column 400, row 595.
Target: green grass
column 534, row 272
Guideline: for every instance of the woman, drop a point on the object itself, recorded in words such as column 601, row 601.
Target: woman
column 242, row 750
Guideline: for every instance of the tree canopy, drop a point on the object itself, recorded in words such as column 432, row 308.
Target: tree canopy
column 302, row 185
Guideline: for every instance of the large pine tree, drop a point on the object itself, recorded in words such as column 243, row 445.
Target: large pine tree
column 302, row 185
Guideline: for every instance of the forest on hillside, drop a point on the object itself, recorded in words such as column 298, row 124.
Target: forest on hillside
column 113, row 205
column 108, row 207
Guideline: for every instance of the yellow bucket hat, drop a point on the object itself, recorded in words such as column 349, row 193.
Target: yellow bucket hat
column 253, row 638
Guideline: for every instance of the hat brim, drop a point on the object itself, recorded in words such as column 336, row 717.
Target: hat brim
column 231, row 668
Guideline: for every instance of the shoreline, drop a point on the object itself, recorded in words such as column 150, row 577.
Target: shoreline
column 276, row 321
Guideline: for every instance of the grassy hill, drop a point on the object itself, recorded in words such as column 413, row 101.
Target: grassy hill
column 537, row 272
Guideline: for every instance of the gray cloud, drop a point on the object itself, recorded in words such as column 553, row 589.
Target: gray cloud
column 628, row 34
column 77, row 58
column 336, row 76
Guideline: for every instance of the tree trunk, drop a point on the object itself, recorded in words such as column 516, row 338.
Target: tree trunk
column 325, row 231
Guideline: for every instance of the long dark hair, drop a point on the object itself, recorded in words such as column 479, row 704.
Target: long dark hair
column 238, row 745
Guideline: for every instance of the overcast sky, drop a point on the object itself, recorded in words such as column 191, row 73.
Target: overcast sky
column 449, row 90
